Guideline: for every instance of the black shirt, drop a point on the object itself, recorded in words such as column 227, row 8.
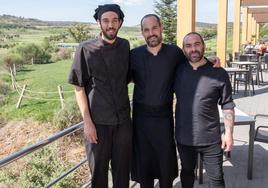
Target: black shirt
column 154, row 75
column 198, row 94
column 102, row 68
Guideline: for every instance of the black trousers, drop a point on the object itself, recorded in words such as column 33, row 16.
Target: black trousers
column 115, row 145
column 212, row 158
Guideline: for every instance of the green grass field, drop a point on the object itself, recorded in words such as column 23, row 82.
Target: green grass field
column 42, row 92
column 41, row 97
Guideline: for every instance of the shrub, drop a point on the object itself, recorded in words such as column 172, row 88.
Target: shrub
column 67, row 116
column 42, row 167
column 35, row 52
column 7, row 176
column 4, row 88
column 13, row 59
column 64, row 53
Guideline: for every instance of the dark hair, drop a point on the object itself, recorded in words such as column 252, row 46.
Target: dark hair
column 151, row 15
column 194, row 33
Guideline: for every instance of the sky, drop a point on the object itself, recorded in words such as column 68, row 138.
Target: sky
column 83, row 10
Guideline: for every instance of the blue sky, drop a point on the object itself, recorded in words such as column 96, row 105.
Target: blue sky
column 82, row 10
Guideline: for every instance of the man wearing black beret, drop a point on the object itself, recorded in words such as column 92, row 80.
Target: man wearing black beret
column 100, row 75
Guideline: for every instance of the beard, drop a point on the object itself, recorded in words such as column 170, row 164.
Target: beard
column 195, row 56
column 153, row 41
column 110, row 33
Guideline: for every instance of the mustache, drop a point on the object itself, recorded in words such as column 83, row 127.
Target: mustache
column 195, row 52
column 109, row 29
column 151, row 36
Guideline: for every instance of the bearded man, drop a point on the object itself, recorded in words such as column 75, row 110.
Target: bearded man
column 100, row 75
column 153, row 69
column 199, row 90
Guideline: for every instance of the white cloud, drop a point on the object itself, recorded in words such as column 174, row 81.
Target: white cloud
column 129, row 2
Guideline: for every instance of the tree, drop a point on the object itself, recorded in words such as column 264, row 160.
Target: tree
column 208, row 33
column 80, row 32
column 166, row 10
column 33, row 52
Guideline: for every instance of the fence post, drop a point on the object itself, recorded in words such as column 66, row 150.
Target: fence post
column 14, row 70
column 32, row 60
column 61, row 95
column 21, row 96
column 12, row 78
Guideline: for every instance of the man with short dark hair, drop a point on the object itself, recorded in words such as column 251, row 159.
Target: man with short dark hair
column 100, row 75
column 199, row 90
column 153, row 69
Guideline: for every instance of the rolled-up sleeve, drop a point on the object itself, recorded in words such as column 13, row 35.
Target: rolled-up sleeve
column 226, row 100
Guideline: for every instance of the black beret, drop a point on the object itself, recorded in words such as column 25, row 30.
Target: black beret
column 108, row 7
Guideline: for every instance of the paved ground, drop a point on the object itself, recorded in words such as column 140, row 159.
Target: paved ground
column 235, row 168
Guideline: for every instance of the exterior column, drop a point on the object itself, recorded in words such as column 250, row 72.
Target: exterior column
column 254, row 28
column 222, row 31
column 244, row 25
column 236, row 26
column 185, row 18
column 258, row 31
column 249, row 28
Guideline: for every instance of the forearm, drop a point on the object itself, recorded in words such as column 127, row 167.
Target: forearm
column 228, row 118
column 82, row 102
column 90, row 132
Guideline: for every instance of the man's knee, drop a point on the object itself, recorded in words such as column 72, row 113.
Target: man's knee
column 216, row 181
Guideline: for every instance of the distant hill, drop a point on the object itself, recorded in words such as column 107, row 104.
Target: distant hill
column 9, row 21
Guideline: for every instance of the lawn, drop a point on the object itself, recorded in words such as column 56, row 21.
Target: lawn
column 41, row 90
column 42, row 98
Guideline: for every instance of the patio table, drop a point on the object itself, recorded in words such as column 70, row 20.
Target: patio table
column 241, row 118
column 247, row 64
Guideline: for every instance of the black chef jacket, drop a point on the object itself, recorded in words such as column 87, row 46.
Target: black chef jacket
column 154, row 75
column 199, row 92
column 102, row 69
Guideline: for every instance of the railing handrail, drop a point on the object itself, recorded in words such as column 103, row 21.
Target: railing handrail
column 17, row 155
column 66, row 173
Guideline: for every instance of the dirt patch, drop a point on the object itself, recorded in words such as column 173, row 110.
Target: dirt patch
column 15, row 136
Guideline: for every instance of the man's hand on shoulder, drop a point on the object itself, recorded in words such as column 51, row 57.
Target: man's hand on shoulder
column 216, row 61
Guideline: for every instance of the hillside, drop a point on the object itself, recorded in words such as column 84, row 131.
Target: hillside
column 9, row 21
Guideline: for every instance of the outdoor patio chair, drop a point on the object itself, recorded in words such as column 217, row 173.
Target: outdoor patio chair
column 243, row 58
column 265, row 61
column 236, row 56
column 247, row 79
column 261, row 133
column 259, row 74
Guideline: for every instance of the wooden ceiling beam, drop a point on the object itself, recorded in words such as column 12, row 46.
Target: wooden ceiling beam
column 257, row 10
column 254, row 2
column 261, row 17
